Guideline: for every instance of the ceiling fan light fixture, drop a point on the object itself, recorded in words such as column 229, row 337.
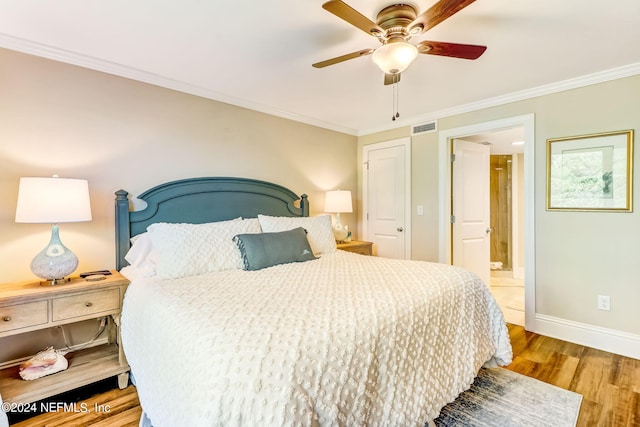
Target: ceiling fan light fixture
column 394, row 58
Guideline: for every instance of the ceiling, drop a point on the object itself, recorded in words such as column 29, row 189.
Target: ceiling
column 259, row 54
column 505, row 141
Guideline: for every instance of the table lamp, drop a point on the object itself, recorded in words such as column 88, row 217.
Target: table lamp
column 338, row 201
column 52, row 201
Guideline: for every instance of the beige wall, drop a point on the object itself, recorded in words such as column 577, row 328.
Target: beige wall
column 121, row 134
column 424, row 191
column 578, row 254
column 117, row 133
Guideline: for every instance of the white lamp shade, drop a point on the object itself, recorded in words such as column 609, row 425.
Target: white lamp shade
column 53, row 200
column 338, row 201
column 394, row 58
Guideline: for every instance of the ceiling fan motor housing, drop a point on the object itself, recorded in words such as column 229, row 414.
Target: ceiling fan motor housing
column 394, row 20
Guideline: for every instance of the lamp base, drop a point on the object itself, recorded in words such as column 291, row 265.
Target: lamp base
column 54, row 282
column 340, row 232
column 55, row 261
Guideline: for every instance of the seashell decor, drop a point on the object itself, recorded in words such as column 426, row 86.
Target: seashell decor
column 46, row 362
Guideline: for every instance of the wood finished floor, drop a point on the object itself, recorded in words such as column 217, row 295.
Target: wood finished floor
column 610, row 385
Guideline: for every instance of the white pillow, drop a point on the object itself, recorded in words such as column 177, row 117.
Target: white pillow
column 319, row 230
column 254, row 222
column 191, row 249
column 141, row 255
column 141, row 249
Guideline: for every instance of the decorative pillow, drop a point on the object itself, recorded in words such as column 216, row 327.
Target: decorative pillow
column 191, row 249
column 319, row 230
column 268, row 249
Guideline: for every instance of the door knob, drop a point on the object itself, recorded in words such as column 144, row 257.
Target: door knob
column 489, row 230
column 399, row 229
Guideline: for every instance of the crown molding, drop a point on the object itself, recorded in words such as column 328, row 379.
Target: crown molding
column 85, row 61
column 116, row 69
column 574, row 83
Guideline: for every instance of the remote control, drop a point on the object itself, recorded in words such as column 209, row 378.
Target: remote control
column 93, row 273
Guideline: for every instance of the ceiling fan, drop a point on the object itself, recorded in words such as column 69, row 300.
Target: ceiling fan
column 394, row 27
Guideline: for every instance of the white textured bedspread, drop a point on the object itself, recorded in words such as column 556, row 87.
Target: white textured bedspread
column 345, row 340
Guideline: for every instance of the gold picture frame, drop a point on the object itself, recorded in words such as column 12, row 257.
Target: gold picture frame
column 591, row 172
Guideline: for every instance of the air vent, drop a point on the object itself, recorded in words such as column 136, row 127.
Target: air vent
column 424, row 128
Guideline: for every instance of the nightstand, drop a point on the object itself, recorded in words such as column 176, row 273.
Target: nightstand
column 30, row 306
column 357, row 246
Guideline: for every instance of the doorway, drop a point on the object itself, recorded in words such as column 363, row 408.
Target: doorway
column 386, row 186
column 506, row 262
column 522, row 252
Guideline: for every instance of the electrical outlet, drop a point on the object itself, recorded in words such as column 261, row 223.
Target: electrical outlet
column 604, row 302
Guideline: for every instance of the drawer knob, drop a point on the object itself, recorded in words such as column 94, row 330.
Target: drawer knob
column 7, row 318
column 89, row 304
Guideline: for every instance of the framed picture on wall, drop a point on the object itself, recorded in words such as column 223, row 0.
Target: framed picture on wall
column 591, row 172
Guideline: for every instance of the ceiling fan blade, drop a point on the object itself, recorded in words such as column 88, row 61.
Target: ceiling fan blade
column 454, row 50
column 390, row 79
column 363, row 52
column 352, row 16
column 436, row 14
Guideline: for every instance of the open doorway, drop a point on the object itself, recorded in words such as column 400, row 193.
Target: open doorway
column 507, row 218
column 445, row 143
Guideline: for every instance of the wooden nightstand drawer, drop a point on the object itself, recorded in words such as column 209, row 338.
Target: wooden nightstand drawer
column 86, row 304
column 362, row 250
column 357, row 247
column 23, row 315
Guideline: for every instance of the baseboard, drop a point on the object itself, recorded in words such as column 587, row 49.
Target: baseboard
column 611, row 340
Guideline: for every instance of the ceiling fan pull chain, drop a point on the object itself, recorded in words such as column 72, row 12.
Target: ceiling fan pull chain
column 396, row 91
column 397, row 100
column 393, row 102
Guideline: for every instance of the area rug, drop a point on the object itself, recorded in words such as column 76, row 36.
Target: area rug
column 501, row 398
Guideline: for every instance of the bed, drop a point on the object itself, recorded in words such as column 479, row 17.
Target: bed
column 242, row 312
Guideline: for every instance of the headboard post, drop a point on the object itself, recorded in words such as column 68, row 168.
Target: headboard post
column 304, row 204
column 123, row 232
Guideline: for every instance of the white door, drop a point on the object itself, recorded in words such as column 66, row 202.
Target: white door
column 386, row 198
column 471, row 208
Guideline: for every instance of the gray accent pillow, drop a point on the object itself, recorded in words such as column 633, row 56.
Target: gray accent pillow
column 264, row 250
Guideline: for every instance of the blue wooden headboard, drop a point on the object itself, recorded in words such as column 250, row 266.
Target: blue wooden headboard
column 201, row 200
